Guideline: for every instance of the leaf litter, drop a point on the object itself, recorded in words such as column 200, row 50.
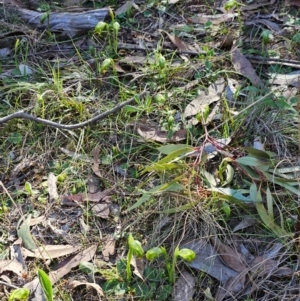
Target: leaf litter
column 230, row 262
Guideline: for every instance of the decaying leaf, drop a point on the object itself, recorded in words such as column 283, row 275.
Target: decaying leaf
column 256, row 6
column 247, row 221
column 184, row 287
column 271, row 25
column 203, row 102
column 291, row 79
column 50, row 251
column 126, row 7
column 138, row 265
column 91, row 197
column 12, row 266
column 101, row 209
column 242, row 65
column 109, row 248
column 52, row 188
column 74, row 283
column 95, row 166
column 231, row 257
column 214, row 19
column 178, row 43
column 24, row 233
column 62, row 269
column 208, row 261
column 151, row 133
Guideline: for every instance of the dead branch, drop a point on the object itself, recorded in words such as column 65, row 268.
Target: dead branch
column 22, row 114
column 70, row 23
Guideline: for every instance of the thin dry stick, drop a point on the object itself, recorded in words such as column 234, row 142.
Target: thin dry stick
column 12, row 200
column 22, row 114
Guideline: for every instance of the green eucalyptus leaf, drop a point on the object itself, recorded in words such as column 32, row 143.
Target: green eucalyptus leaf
column 187, row 254
column 46, row 285
column 153, row 253
column 252, row 161
column 270, row 203
column 253, row 174
column 253, row 191
column 170, row 148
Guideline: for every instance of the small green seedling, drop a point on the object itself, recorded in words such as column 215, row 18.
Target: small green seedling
column 185, row 254
column 46, row 285
column 135, row 249
column 20, row 294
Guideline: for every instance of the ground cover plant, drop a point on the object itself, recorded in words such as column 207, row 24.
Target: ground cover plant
column 149, row 150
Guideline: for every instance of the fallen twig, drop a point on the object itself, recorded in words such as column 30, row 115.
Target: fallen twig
column 22, row 114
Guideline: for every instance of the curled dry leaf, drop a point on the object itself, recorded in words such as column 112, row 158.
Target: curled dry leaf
column 214, row 19
column 50, row 251
column 256, row 6
column 52, row 187
column 138, row 265
column 247, row 221
column 242, row 65
column 203, row 100
column 109, row 248
column 208, row 261
column 101, row 210
column 184, row 287
column 12, row 266
column 91, row 197
column 95, row 166
column 150, row 133
column 178, row 43
column 231, row 257
column 74, row 283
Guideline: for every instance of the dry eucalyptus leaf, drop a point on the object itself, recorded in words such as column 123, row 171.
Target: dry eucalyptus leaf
column 150, row 133
column 101, row 210
column 184, row 287
column 242, row 65
column 256, row 6
column 208, row 261
column 12, row 266
column 291, row 79
column 63, row 268
column 214, row 19
column 271, row 25
column 126, row 7
column 50, row 251
column 74, row 283
column 84, row 227
column 202, row 101
column 247, row 221
column 231, row 287
column 52, row 187
column 178, row 43
column 95, row 166
column 231, row 257
column 109, row 248
column 138, row 265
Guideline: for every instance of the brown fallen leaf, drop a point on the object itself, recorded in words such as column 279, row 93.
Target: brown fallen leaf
column 101, row 210
column 109, row 248
column 138, row 265
column 12, row 266
column 50, row 251
column 247, row 221
column 74, row 283
column 178, row 43
column 231, row 287
column 91, row 197
column 151, row 133
column 95, row 166
column 256, row 6
column 231, row 257
column 184, row 287
column 52, row 187
column 242, row 65
column 214, row 19
column 61, row 270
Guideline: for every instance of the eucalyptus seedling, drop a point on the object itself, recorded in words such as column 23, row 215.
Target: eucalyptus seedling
column 186, row 254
